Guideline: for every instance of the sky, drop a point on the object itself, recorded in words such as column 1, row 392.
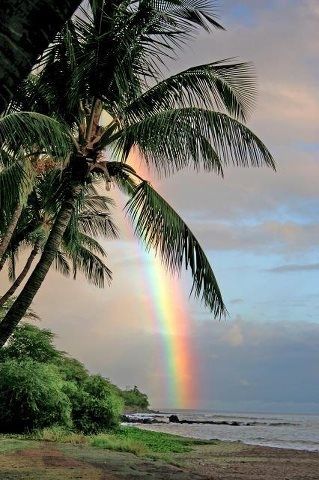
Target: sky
column 260, row 230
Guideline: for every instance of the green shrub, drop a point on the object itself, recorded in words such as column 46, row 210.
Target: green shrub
column 31, row 396
column 95, row 406
column 72, row 370
column 30, row 342
column 134, row 398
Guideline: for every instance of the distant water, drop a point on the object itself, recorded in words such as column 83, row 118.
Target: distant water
column 300, row 432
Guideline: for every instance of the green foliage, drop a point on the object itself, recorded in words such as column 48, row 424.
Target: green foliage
column 119, row 444
column 157, row 441
column 143, row 442
column 160, row 227
column 41, row 387
column 31, row 396
column 95, row 405
column 134, row 398
column 72, row 370
column 30, row 342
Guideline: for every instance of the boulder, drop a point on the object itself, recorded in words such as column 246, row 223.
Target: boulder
column 173, row 419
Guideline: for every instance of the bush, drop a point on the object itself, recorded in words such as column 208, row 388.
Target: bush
column 134, row 398
column 30, row 342
column 31, row 396
column 95, row 406
column 72, row 370
column 42, row 387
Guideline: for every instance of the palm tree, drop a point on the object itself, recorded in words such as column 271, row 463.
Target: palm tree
column 24, row 137
column 26, row 29
column 79, row 250
column 107, row 62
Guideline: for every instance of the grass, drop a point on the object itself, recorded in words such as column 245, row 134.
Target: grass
column 60, row 435
column 142, row 443
column 113, row 442
column 12, row 444
column 157, row 441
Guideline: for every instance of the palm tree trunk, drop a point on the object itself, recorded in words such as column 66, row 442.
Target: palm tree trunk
column 8, row 235
column 16, row 284
column 24, row 300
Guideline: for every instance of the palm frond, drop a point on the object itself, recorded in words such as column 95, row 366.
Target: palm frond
column 34, row 132
column 16, row 181
column 180, row 138
column 61, row 264
column 162, row 229
column 218, row 86
column 97, row 224
column 92, row 267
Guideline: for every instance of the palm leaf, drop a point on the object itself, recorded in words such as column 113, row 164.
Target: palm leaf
column 61, row 264
column 15, row 183
column 35, row 133
column 218, row 85
column 97, row 224
column 92, row 267
column 162, row 229
column 180, row 138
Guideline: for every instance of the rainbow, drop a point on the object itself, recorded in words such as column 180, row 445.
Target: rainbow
column 167, row 308
column 171, row 316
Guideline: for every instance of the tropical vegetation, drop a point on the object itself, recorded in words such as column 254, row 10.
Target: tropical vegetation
column 26, row 30
column 101, row 81
column 42, row 387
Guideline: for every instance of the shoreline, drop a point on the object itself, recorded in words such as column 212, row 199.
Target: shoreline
column 289, row 433
column 223, row 440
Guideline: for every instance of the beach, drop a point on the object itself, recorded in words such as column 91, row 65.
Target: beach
column 32, row 460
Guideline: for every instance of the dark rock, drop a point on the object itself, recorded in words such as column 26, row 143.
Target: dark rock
column 173, row 419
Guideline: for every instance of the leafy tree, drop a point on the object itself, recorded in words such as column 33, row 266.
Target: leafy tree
column 106, row 63
column 31, row 396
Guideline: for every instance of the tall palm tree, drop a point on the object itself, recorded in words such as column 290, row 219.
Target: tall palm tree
column 107, row 62
column 79, row 250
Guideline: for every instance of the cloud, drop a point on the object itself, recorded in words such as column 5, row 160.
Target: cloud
column 294, row 268
column 268, row 236
column 236, row 301
column 234, row 336
column 268, row 368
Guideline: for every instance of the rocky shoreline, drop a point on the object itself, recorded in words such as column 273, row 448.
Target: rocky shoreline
column 160, row 418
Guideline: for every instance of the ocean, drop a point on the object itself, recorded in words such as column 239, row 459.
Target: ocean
column 300, row 432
